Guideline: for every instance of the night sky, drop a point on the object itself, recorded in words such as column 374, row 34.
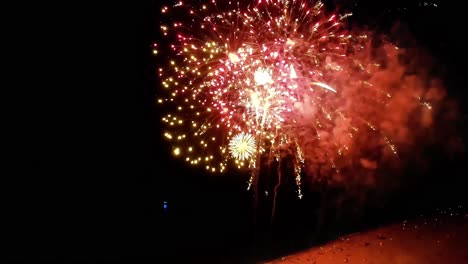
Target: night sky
column 100, row 192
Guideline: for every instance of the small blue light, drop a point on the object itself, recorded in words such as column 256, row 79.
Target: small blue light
column 165, row 205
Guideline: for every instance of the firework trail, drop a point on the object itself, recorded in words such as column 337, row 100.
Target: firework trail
column 285, row 78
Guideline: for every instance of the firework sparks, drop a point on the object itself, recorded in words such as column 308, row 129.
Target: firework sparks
column 272, row 77
column 242, row 146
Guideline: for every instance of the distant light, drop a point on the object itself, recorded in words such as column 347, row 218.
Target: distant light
column 165, row 206
column 176, row 151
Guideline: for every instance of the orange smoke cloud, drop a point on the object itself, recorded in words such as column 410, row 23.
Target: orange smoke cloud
column 380, row 120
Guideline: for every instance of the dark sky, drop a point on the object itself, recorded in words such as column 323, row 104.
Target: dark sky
column 91, row 173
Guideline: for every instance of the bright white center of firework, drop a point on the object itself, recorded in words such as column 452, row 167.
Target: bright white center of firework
column 233, row 58
column 289, row 42
column 242, row 146
column 262, row 76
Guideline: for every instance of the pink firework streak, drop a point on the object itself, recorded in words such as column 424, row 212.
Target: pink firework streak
column 296, row 80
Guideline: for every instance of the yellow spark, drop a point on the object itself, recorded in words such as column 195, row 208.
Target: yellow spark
column 234, row 58
column 177, row 151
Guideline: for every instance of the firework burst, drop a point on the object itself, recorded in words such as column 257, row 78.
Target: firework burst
column 271, row 78
column 242, row 146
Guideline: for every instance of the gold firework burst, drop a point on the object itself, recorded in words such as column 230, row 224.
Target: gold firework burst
column 242, row 146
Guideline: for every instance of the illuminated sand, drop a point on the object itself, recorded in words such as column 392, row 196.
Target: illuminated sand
column 431, row 240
